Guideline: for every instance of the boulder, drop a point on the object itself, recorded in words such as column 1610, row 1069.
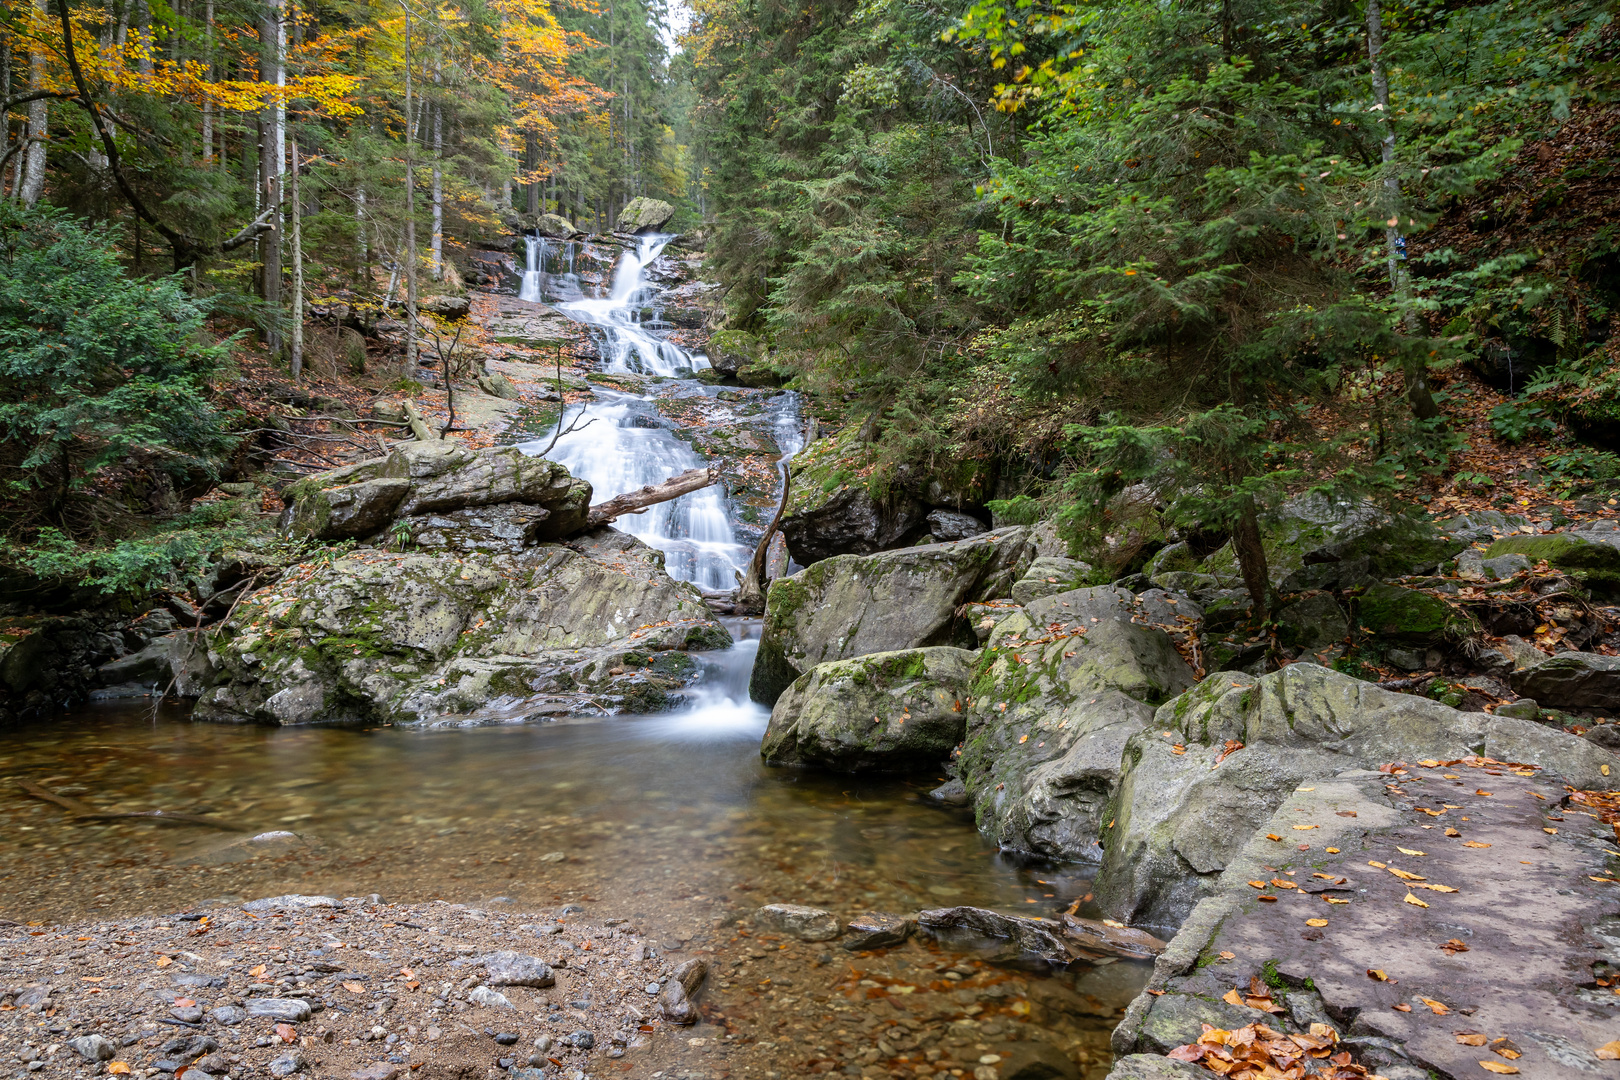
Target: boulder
column 1571, row 680
column 644, row 215
column 505, row 527
column 877, row 930
column 1238, row 746
column 851, row 605
column 498, row 385
column 804, row 923
column 947, row 525
column 1049, row 575
column 1039, row 938
column 427, row 477
column 1592, row 562
column 453, row 308
column 1410, row 616
column 1154, row 1067
column 882, row 712
column 414, row 636
column 1312, row 623
column 555, row 226
column 831, row 511
column 1484, row 526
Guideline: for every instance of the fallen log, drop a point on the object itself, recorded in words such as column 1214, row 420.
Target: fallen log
column 418, row 426
column 634, row 502
column 85, row 812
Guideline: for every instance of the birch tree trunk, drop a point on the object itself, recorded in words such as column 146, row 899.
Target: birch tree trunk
column 208, row 106
column 410, row 215
column 297, row 269
column 436, row 242
column 271, row 133
column 33, row 164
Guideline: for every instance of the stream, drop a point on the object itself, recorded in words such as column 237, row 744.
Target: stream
column 669, row 819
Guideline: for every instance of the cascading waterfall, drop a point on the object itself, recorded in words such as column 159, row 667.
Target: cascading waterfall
column 621, row 443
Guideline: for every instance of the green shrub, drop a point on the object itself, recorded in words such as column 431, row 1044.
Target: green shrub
column 1517, row 421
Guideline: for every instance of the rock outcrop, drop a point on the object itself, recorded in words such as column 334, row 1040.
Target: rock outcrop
column 883, row 712
column 1238, row 746
column 375, row 635
column 851, row 605
column 644, row 215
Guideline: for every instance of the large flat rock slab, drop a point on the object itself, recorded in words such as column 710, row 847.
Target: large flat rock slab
column 1490, row 858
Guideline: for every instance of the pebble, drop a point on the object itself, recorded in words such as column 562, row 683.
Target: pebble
column 582, row 1040
column 506, row 1038
column 93, row 1048
column 287, row 1064
column 229, row 1015
column 490, row 999
column 291, row 1010
column 191, row 1014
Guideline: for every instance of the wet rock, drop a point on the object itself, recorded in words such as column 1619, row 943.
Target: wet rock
column 1312, row 623
column 1049, row 575
column 287, row 1010
column 854, row 605
column 582, row 1040
column 93, row 1048
column 877, row 930
column 951, row 793
column 1571, row 680
column 1239, row 746
column 505, row 1038
column 948, row 525
column 890, row 712
column 508, row 968
column 804, row 923
column 1034, row 1061
column 293, row 902
column 675, row 1001
column 1105, row 939
column 287, row 1064
column 489, row 999
column 1029, row 937
column 1523, row 709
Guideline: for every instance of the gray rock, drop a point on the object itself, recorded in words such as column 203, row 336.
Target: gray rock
column 287, row 1064
column 891, row 711
column 377, row 1070
column 644, row 215
column 1182, row 815
column 1523, row 709
column 293, row 902
column 1027, row 937
column 1034, row 1060
column 32, row 996
column 507, row 527
column 288, row 1010
column 500, row 386
column 947, row 525
column 489, row 999
column 804, row 923
column 150, row 666
column 1048, row 575
column 675, row 1006
column 877, row 930
column 93, row 1048
column 1572, row 680
column 854, row 605
column 582, row 1040
column 951, row 793
column 1483, row 526
column 191, row 1014
column 1312, row 623
column 508, row 968
column 199, row 982
column 344, row 511
column 1154, row 1067
column 229, row 1015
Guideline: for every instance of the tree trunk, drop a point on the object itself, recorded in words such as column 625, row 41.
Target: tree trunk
column 362, row 248
column 1416, row 368
column 297, row 270
column 436, row 242
column 33, row 162
column 531, row 155
column 410, row 215
column 269, row 130
column 632, row 502
column 751, row 594
column 1251, row 554
column 208, row 105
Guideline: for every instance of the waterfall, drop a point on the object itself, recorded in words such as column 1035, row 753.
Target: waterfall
column 621, row 442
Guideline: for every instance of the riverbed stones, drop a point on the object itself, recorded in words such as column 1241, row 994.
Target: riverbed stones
column 286, row 1064
column 413, row 636
column 93, row 1048
column 1038, row 938
column 1238, row 745
column 293, row 902
column 1572, row 680
column 797, row 920
column 883, row 712
column 285, row 1010
column 877, row 930
column 855, row 605
column 509, row 968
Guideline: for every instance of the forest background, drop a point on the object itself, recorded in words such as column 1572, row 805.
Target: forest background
column 1105, row 261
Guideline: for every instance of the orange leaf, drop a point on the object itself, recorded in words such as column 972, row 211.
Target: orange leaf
column 354, row 987
column 1498, row 1067
column 1414, row 901
column 118, row 1068
column 164, row 961
column 1438, row 1008
column 1474, row 844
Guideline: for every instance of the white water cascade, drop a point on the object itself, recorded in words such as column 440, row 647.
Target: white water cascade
column 621, row 442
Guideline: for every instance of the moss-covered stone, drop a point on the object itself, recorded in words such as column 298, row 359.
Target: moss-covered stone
column 1596, row 566
column 1408, row 615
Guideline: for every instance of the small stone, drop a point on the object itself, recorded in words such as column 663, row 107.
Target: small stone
column 506, row 1063
column 582, row 1040
column 1522, row 709
column 804, row 923
column 289, row 1010
column 508, row 968
column 377, row 1070
column 505, row 1038
column 292, row 902
column 287, row 1064
column 570, row 909
column 489, row 999
column 229, row 1015
column 191, row 1014
column 653, row 988
column 542, row 1042
column 93, row 1048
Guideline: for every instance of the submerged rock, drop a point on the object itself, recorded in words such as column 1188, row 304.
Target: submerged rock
column 854, row 605
column 877, row 930
column 1238, row 746
column 407, row 636
column 889, row 712
column 1029, row 937
column 804, row 923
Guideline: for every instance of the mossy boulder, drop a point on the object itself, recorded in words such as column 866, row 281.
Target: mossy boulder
column 1407, row 615
column 1237, row 746
column 414, row 636
column 644, row 215
column 833, row 508
column 1049, row 575
column 1595, row 565
column 883, row 712
column 854, row 605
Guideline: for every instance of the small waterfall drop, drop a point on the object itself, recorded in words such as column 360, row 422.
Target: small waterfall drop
column 630, row 318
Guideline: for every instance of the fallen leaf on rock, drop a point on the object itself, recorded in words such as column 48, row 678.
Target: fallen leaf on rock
column 1332, row 851
column 1316, row 922
column 1409, row 851
column 354, row 987
column 1258, row 884
column 1375, row 862
column 1272, row 836
column 1507, row 1048
column 1327, row 877
column 1498, row 1067
column 1345, row 813
column 1402, row 1007
column 1452, row 832
column 164, row 961
column 1305, row 828
column 1414, row 901
column 1283, row 884
column 257, row 971
column 1335, row 900
column 1228, row 955
column 181, row 1003
column 1474, row 843
column 1452, row 947
column 1177, row 750
column 1609, row 1051
column 287, row 1032
column 1404, row 876
column 1435, row 1007
column 1377, row 973
column 1470, row 1038
column 1482, row 791
column 1231, row 998
column 1268, row 897
column 118, row 1068
column 1435, row 888
column 1550, row 832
